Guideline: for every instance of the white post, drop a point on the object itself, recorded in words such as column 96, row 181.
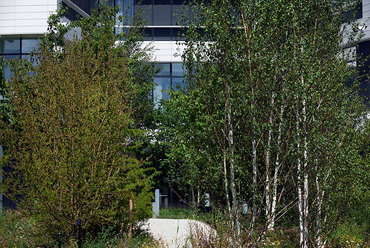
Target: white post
column 206, row 200
column 155, row 205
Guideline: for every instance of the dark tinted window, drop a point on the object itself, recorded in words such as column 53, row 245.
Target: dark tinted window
column 29, row 44
column 162, row 34
column 162, row 13
column 10, row 46
column 165, row 69
column 364, row 68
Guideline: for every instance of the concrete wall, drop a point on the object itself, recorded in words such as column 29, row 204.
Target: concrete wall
column 26, row 17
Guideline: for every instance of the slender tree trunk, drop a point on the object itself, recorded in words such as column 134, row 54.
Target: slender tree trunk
column 319, row 201
column 226, row 184
column 129, row 235
column 254, row 187
column 319, row 198
column 231, row 150
column 305, row 175
column 192, row 196
column 271, row 223
column 299, row 181
column 267, row 164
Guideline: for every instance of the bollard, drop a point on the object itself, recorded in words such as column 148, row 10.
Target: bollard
column 59, row 240
column 79, row 243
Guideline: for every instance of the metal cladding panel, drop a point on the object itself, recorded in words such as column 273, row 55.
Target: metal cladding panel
column 19, row 17
column 166, row 51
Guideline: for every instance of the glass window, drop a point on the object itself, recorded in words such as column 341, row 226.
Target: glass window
column 144, row 7
column 176, row 14
column 126, row 8
column 162, row 12
column 177, row 69
column 29, row 44
column 165, row 69
column 143, row 2
column 7, row 71
column 178, row 83
column 162, row 34
column 10, row 46
column 178, row 34
column 148, row 34
column 162, row 83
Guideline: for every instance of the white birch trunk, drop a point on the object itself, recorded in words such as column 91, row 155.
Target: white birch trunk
column 226, row 184
column 232, row 170
column 254, row 187
column 299, row 180
column 271, row 224
column 267, row 164
column 305, row 175
column 319, row 198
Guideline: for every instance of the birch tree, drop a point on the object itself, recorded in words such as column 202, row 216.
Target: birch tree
column 270, row 87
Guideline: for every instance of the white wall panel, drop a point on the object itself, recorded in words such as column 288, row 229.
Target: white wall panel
column 6, row 16
column 6, row 3
column 30, row 2
column 6, row 22
column 6, row 9
column 165, row 51
column 19, row 17
column 31, row 8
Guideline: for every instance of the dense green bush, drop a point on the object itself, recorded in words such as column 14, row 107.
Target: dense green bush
column 72, row 139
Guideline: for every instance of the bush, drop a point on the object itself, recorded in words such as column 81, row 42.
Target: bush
column 72, row 139
column 349, row 235
column 19, row 231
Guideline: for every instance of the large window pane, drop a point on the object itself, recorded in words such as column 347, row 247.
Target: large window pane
column 144, row 7
column 162, row 84
column 177, row 13
column 162, row 12
column 29, row 44
column 7, row 71
column 164, row 69
column 126, row 8
column 178, row 34
column 9, row 46
column 177, row 69
column 148, row 34
column 162, row 34
column 178, row 83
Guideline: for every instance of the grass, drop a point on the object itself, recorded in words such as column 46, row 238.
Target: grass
column 19, row 231
column 24, row 232
column 177, row 213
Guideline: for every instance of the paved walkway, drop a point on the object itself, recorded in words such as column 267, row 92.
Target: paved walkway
column 174, row 233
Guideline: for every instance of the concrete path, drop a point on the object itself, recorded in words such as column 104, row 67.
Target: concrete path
column 174, row 233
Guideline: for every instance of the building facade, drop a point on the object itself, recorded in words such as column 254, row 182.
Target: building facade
column 22, row 22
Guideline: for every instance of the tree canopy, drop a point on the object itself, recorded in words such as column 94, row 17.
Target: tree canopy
column 72, row 138
column 268, row 117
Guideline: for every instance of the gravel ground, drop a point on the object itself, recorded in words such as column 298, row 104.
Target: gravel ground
column 174, row 233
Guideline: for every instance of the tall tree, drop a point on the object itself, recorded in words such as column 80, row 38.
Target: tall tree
column 71, row 139
column 268, row 104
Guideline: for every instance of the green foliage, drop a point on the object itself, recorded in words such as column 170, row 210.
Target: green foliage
column 349, row 235
column 18, row 231
column 109, row 239
column 72, row 142
column 5, row 108
column 176, row 213
column 266, row 75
